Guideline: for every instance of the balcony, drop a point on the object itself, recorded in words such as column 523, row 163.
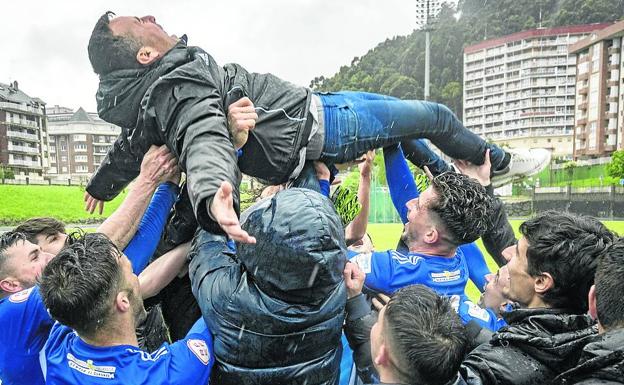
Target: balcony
column 20, row 107
column 612, row 83
column 583, row 76
column 23, row 123
column 581, row 122
column 23, row 149
column 24, row 163
column 22, row 135
column 582, row 106
column 583, row 90
column 613, row 50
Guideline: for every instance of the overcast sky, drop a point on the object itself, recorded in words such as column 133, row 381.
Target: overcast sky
column 43, row 43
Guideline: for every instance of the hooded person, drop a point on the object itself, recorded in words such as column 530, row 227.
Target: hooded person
column 275, row 308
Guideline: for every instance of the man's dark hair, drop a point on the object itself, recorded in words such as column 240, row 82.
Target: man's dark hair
column 462, row 206
column 567, row 247
column 45, row 226
column 108, row 52
column 426, row 336
column 78, row 286
column 7, row 240
column 610, row 286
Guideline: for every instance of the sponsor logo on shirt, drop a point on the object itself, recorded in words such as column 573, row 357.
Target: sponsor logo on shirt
column 446, row 276
column 21, row 296
column 363, row 261
column 200, row 349
column 87, row 367
column 477, row 312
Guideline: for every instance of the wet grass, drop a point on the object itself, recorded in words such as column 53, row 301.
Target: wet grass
column 18, row 203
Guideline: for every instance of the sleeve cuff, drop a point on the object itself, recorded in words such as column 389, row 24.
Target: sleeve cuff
column 357, row 307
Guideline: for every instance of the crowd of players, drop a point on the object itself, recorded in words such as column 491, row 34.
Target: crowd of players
column 293, row 292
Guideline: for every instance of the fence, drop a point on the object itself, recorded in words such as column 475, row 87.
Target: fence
column 45, row 182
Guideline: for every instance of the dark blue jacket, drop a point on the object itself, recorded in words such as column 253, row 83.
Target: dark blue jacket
column 275, row 308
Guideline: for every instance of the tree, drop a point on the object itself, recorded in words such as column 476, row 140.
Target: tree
column 615, row 168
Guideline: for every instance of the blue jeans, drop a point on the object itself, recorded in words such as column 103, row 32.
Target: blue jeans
column 356, row 122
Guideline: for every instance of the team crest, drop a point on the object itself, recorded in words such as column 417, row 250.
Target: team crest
column 21, row 296
column 200, row 349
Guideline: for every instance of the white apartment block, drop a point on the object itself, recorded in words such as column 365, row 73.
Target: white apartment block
column 519, row 90
column 599, row 122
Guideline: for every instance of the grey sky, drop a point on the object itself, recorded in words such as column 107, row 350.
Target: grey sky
column 44, row 43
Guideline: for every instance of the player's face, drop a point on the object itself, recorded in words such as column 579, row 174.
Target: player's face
column 493, row 296
column 144, row 30
column 25, row 263
column 418, row 215
column 52, row 243
column 132, row 284
column 521, row 286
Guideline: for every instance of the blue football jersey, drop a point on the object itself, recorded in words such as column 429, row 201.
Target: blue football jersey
column 70, row 360
column 388, row 271
column 25, row 328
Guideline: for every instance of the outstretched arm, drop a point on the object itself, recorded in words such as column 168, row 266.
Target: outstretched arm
column 163, row 270
column 400, row 180
column 356, row 230
column 144, row 243
column 157, row 166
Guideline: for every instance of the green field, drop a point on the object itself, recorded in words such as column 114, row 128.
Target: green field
column 385, row 236
column 18, row 203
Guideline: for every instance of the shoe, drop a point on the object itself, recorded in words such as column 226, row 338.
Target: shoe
column 523, row 163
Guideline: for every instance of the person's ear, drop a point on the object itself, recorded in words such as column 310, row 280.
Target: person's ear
column 147, row 55
column 593, row 311
column 122, row 302
column 10, row 285
column 431, row 235
column 383, row 356
column 543, row 283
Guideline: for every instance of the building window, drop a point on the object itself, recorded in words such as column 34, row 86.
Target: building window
column 64, row 169
column 82, row 169
column 80, row 147
column 81, row 158
column 63, row 158
column 80, row 138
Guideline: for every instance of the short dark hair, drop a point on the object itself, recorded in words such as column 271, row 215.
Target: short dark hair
column 610, row 286
column 45, row 226
column 463, row 207
column 108, row 52
column 79, row 284
column 426, row 336
column 7, row 240
column 567, row 247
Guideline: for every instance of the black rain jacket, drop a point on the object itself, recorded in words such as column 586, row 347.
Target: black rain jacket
column 275, row 308
column 602, row 362
column 537, row 345
column 181, row 100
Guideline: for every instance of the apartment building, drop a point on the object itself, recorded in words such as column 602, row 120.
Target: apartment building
column 79, row 142
column 519, row 90
column 23, row 133
column 599, row 119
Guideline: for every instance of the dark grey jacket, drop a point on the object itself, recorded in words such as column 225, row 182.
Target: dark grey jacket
column 602, row 362
column 181, row 101
column 275, row 308
column 537, row 345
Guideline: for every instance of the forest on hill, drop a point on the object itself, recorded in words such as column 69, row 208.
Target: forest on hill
column 396, row 66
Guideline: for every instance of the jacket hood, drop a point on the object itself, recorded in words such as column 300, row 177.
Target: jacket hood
column 603, row 359
column 120, row 92
column 300, row 251
column 552, row 336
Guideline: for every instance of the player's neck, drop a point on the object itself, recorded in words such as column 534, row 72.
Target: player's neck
column 435, row 249
column 116, row 333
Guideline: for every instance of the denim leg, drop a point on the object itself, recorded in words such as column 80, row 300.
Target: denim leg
column 418, row 152
column 356, row 122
